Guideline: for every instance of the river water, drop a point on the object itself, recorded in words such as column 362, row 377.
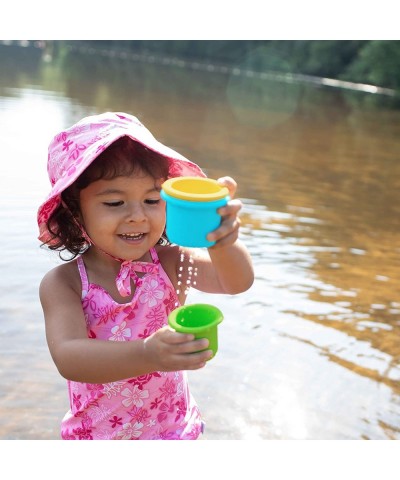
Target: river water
column 312, row 350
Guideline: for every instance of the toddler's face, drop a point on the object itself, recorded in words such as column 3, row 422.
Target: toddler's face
column 124, row 216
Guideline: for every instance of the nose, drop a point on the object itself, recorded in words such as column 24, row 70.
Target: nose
column 135, row 213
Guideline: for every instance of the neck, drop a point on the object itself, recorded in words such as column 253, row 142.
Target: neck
column 99, row 256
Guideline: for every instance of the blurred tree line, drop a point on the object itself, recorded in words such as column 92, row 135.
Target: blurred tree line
column 375, row 62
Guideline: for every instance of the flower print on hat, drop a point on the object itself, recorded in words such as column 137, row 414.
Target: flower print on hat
column 74, row 149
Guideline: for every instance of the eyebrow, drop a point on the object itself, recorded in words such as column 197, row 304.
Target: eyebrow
column 116, row 191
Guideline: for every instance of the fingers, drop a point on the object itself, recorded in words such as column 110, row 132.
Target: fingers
column 228, row 232
column 194, row 361
column 174, row 338
column 178, row 351
column 182, row 344
column 229, row 183
column 190, row 355
column 231, row 209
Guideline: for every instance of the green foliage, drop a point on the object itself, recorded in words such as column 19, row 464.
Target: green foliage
column 377, row 63
column 364, row 61
column 328, row 58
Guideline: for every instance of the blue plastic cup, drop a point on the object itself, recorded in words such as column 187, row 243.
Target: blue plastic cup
column 191, row 213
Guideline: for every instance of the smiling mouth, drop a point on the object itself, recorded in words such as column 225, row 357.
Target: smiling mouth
column 131, row 236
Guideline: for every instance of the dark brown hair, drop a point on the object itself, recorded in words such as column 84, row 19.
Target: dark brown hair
column 123, row 158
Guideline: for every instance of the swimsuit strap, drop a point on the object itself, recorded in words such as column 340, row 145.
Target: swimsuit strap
column 154, row 256
column 83, row 275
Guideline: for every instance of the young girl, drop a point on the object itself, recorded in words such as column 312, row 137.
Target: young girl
column 106, row 308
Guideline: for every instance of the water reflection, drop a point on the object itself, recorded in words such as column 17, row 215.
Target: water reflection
column 312, row 351
column 351, row 277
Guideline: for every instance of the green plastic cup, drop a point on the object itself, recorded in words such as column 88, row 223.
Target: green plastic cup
column 200, row 319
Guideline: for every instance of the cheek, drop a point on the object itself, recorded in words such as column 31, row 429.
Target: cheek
column 159, row 211
column 158, row 218
column 96, row 220
column 162, row 217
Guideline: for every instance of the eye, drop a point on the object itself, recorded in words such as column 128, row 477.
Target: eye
column 114, row 204
column 152, row 201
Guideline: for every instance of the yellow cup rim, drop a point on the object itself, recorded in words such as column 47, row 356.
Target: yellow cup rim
column 197, row 189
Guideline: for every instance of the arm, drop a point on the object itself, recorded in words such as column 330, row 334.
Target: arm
column 87, row 360
column 226, row 267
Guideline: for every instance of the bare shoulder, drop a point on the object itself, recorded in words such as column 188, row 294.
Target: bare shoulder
column 169, row 258
column 62, row 277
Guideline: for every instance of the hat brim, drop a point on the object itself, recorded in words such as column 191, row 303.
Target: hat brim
column 178, row 166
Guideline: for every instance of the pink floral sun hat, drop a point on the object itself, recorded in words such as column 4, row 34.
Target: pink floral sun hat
column 75, row 148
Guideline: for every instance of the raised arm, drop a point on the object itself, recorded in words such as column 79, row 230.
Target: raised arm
column 226, row 267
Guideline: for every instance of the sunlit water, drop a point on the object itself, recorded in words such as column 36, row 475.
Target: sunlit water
column 311, row 351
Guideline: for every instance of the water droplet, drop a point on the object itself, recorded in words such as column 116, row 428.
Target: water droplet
column 186, row 270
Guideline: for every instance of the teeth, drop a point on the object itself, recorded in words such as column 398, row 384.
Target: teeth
column 131, row 235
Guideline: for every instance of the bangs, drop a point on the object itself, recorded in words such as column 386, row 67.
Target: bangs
column 124, row 157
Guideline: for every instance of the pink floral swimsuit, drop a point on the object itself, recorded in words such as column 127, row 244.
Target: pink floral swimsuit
column 150, row 407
